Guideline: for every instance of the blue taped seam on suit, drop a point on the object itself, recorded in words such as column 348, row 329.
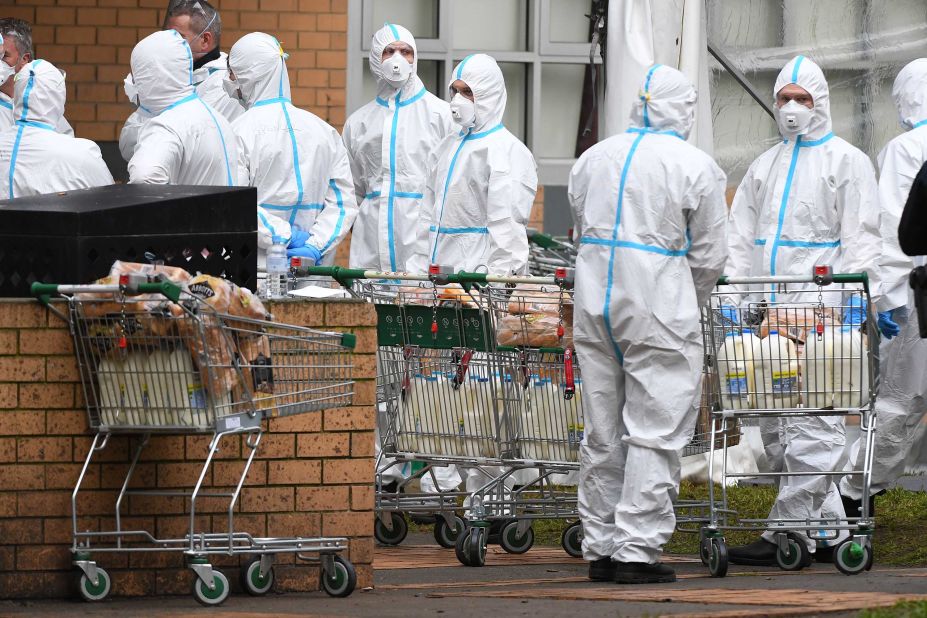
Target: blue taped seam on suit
column 611, row 258
column 225, row 150
column 5, row 104
column 273, row 232
column 394, row 31
column 797, row 64
column 293, row 207
column 460, row 67
column 392, row 185
column 459, row 230
column 22, row 126
column 340, row 222
column 627, row 244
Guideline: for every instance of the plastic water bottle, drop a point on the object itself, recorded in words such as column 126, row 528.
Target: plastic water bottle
column 277, row 269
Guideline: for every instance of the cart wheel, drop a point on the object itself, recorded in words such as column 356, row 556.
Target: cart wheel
column 514, row 544
column 798, row 556
column 572, row 540
column 852, row 558
column 717, row 559
column 475, row 546
column 391, row 537
column 341, row 580
column 460, row 547
column 217, row 595
column 704, row 547
column 252, row 581
column 95, row 592
column 447, row 536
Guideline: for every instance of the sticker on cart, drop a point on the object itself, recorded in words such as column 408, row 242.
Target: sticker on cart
column 232, row 422
column 784, row 382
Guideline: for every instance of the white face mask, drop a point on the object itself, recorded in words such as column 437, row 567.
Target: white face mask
column 396, row 70
column 131, row 90
column 793, row 119
column 463, row 111
column 231, row 88
column 6, row 71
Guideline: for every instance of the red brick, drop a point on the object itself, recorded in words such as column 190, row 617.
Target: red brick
column 7, row 452
column 362, row 444
column 346, row 419
column 294, row 472
column 44, row 449
column 9, row 396
column 180, row 474
column 96, row 17
column 9, row 341
column 57, row 54
column 95, row 502
column 19, row 423
column 55, row 15
column 7, row 558
column 120, row 37
column 322, row 498
column 164, row 448
column 333, row 23
column 19, row 313
column 228, row 473
column 103, row 93
column 43, row 503
column 136, row 583
column 314, row 6
column 361, row 550
column 301, row 59
column 42, row 557
column 138, row 17
column 116, row 112
column 346, row 524
column 323, row 445
column 330, row 97
column 338, row 471
column 100, row 131
column 144, row 476
column 299, row 423
column 76, row 35
column 198, row 447
column 267, row 499
column 294, row 524
column 44, row 396
column 260, row 21
column 302, row 22
column 362, row 497
column 61, row 369
column 157, row 560
column 174, row 527
column 337, row 79
column 252, row 523
column 350, row 313
column 279, row 5
column 65, row 422
column 116, row 450
column 58, row 530
column 20, row 12
column 365, row 393
column 7, row 504
column 22, row 476
column 96, row 54
column 162, row 505
column 276, row 446
column 64, row 476
column 81, row 73
column 312, row 78
column 339, row 6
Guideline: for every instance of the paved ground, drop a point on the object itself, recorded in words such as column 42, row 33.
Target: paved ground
column 419, row 579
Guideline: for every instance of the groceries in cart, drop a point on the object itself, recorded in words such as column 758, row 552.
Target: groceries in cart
column 539, row 316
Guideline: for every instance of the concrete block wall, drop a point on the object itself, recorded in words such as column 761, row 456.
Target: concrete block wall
column 312, row 475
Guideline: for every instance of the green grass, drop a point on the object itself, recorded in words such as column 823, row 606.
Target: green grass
column 902, row 609
column 899, row 539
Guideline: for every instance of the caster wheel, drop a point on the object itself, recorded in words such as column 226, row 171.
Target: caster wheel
column 215, row 596
column 514, row 544
column 476, row 547
column 395, row 536
column 852, row 558
column 717, row 560
column 572, row 540
column 447, row 536
column 342, row 579
column 460, row 548
column 252, row 581
column 797, row 557
column 704, row 548
column 98, row 591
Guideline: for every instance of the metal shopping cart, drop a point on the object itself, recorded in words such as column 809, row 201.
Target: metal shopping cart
column 155, row 359
column 547, row 253
column 792, row 358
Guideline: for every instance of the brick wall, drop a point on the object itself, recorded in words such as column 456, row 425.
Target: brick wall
column 93, row 39
column 312, row 475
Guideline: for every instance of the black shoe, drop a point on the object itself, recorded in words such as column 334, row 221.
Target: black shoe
column 643, row 573
column 824, row 555
column 758, row 553
column 602, row 570
column 853, row 508
column 422, row 519
column 389, row 488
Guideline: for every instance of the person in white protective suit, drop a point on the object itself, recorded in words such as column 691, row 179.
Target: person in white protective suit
column 390, row 141
column 16, row 52
column 186, row 142
column 810, row 200
column 34, row 157
column 482, row 184
column 902, row 398
column 294, row 158
column 199, row 23
column 649, row 218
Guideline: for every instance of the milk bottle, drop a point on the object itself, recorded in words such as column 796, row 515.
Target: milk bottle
column 834, row 369
column 473, row 430
column 735, row 364
column 176, row 396
column 111, row 391
column 775, row 371
column 536, row 429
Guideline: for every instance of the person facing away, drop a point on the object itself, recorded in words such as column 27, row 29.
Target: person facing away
column 34, row 157
column 186, row 142
column 390, row 141
column 649, row 218
column 483, row 180
column 294, row 158
column 199, row 23
column 809, row 200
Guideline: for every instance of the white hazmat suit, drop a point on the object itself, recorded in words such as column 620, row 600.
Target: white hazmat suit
column 208, row 83
column 34, row 157
column 649, row 216
column 806, row 201
column 7, row 120
column 479, row 195
column 186, row 142
column 902, row 397
column 294, row 158
column 390, row 141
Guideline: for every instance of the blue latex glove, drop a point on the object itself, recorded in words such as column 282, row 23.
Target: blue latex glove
column 887, row 325
column 298, row 238
column 306, row 251
column 855, row 312
column 729, row 313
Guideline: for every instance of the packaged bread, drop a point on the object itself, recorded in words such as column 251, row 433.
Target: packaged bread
column 175, row 274
column 246, row 304
column 534, row 330
column 215, row 292
column 530, row 298
column 456, row 294
column 796, row 322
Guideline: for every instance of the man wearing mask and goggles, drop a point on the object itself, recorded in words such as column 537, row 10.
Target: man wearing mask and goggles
column 809, row 200
column 199, row 24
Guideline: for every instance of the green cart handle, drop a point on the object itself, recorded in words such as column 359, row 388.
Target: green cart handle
column 544, row 241
column 44, row 291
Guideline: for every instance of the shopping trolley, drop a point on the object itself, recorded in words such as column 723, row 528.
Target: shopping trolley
column 156, row 359
column 548, row 253
column 790, row 357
